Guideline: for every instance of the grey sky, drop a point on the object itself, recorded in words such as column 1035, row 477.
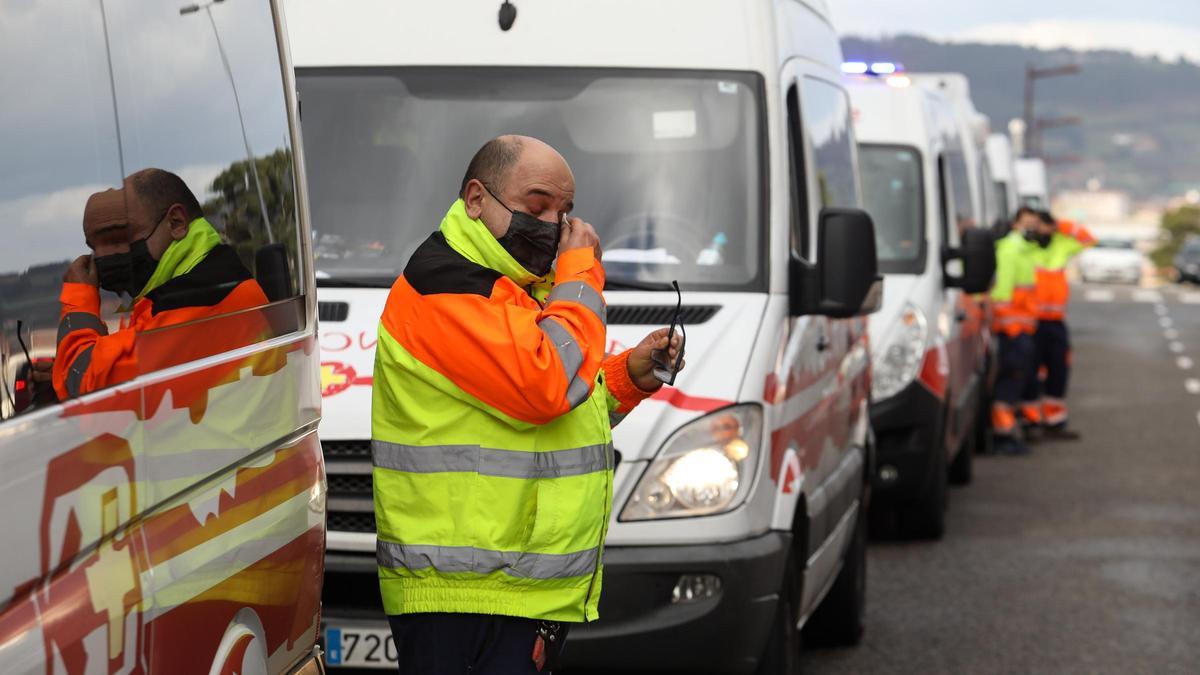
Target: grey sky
column 1168, row 28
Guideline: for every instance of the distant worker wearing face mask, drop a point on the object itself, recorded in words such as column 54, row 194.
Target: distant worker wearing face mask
column 1014, row 323
column 492, row 410
column 1057, row 242
column 151, row 244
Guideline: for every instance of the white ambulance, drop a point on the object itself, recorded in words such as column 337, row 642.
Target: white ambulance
column 712, row 143
column 1002, row 162
column 930, row 340
column 1033, row 188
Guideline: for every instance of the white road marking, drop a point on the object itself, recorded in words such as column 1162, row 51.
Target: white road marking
column 1191, row 298
column 1184, row 363
column 1165, row 321
column 1160, row 309
column 1171, row 334
column 1176, row 347
column 1099, row 295
column 1142, row 295
column 1192, row 385
column 1198, row 418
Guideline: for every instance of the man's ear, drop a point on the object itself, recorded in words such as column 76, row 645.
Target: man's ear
column 178, row 221
column 473, row 197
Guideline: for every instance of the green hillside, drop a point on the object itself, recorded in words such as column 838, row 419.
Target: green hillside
column 1141, row 116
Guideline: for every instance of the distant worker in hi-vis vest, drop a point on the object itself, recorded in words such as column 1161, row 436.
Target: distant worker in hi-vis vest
column 1014, row 323
column 1044, row 405
column 492, row 417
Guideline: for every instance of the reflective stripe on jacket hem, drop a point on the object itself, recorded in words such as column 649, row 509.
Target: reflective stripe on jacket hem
column 450, row 559
column 578, row 291
column 490, row 461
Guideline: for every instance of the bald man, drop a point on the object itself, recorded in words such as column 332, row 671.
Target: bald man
column 150, row 243
column 492, row 411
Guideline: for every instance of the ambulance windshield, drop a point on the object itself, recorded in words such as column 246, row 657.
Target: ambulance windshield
column 893, row 192
column 668, row 164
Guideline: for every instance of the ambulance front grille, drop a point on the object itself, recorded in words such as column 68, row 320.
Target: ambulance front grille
column 348, row 476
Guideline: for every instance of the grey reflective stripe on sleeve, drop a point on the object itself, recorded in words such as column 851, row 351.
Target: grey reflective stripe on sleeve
column 77, row 320
column 571, row 356
column 489, row 461
column 451, row 559
column 577, row 291
column 78, row 367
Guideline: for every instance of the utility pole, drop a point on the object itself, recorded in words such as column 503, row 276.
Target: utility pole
column 1033, row 125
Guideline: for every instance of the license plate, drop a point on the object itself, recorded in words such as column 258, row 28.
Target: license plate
column 347, row 647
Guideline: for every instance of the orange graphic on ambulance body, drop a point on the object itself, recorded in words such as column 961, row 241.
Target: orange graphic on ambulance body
column 337, row 377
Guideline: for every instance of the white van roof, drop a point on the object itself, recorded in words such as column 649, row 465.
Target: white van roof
column 892, row 115
column 957, row 88
column 669, row 34
column 1000, row 157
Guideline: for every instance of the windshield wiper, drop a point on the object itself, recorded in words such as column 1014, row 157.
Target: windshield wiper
column 630, row 285
column 352, row 282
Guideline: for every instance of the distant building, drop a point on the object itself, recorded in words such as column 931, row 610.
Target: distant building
column 1094, row 207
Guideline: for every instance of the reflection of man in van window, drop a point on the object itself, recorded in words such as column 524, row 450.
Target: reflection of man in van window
column 149, row 241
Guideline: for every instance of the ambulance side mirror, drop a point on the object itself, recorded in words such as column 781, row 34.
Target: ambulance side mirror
column 844, row 281
column 978, row 255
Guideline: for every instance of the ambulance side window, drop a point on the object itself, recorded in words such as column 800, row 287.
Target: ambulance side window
column 58, row 144
column 201, row 96
column 829, row 125
column 798, row 181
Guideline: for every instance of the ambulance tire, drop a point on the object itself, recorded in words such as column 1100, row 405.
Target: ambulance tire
column 781, row 656
column 925, row 517
column 840, row 620
column 984, row 442
column 962, row 469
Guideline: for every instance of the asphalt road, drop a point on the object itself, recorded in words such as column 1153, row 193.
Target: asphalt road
column 1085, row 556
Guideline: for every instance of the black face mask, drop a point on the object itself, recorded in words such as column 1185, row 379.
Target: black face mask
column 130, row 271
column 531, row 242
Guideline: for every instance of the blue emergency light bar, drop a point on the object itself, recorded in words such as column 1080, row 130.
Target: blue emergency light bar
column 864, row 68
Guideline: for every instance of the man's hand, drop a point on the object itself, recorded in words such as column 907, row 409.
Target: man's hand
column 579, row 234
column 641, row 365
column 41, row 376
column 82, row 271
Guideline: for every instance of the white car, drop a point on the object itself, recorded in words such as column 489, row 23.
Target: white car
column 1112, row 260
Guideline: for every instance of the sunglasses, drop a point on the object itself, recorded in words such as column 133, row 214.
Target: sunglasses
column 664, row 370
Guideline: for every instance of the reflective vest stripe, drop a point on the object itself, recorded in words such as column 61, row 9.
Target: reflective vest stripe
column 491, row 461
column 571, row 356
column 77, row 370
column 580, row 292
column 74, row 321
column 468, row 559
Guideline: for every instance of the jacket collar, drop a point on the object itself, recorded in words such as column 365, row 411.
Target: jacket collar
column 473, row 241
column 184, row 254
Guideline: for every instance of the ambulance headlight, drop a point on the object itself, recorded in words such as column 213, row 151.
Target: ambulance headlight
column 898, row 360
column 705, row 467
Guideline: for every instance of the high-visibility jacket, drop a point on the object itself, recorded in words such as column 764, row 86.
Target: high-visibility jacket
column 491, row 431
column 1014, row 308
column 1050, row 264
column 196, row 278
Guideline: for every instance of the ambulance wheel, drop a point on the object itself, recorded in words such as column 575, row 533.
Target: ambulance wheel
column 962, row 470
column 984, row 442
column 925, row 518
column 781, row 656
column 841, row 618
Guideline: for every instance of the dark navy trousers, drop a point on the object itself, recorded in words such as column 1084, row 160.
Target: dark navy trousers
column 458, row 644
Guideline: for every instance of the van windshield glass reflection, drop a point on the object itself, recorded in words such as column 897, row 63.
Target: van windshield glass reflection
column 892, row 190
column 666, row 164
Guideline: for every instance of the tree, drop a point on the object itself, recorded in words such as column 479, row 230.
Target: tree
column 235, row 210
column 1177, row 226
